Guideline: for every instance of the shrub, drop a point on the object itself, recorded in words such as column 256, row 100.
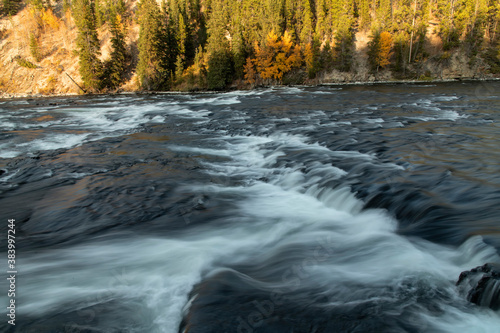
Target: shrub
column 25, row 63
column 34, row 48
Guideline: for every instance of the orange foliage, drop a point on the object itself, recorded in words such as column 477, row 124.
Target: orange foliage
column 44, row 18
column 384, row 55
column 50, row 19
column 277, row 57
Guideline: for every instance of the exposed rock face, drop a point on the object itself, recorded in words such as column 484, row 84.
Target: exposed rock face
column 482, row 285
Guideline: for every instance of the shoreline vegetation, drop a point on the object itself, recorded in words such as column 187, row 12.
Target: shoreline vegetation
column 72, row 47
column 4, row 96
column 327, row 84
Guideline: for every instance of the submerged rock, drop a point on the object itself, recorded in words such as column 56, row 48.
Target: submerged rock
column 482, row 285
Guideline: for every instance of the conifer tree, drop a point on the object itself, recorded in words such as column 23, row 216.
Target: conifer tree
column 321, row 17
column 116, row 65
column 151, row 74
column 88, row 46
column 380, row 50
column 306, row 31
column 34, row 48
column 10, row 7
column 169, row 49
column 66, row 5
column 220, row 63
column 364, row 13
column 344, row 48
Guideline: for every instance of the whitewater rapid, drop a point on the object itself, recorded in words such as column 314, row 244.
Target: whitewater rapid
column 285, row 216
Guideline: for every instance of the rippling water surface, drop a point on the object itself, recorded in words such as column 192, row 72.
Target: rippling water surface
column 328, row 209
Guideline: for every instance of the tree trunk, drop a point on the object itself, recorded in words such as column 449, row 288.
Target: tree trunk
column 412, row 28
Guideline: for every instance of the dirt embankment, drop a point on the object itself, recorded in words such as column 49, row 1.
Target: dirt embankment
column 55, row 43
column 51, row 69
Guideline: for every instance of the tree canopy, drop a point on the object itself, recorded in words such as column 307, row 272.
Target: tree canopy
column 214, row 43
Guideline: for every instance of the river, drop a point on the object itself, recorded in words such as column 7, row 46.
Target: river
column 287, row 209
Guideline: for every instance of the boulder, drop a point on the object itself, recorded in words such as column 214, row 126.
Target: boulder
column 481, row 285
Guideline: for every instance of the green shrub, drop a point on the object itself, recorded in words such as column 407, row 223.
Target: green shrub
column 25, row 63
column 34, row 48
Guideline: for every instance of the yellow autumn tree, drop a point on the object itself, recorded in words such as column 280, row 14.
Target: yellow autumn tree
column 274, row 59
column 385, row 53
column 380, row 50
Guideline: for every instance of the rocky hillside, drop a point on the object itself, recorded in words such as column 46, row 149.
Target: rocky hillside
column 56, row 71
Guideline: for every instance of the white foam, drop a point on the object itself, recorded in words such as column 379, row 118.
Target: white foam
column 452, row 115
column 374, row 120
column 218, row 100
column 9, row 153
column 55, row 142
column 446, row 98
column 201, row 151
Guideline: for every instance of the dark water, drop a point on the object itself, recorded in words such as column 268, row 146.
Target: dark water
column 330, row 209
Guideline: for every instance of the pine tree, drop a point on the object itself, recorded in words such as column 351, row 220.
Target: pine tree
column 364, row 13
column 380, row 50
column 151, row 73
column 321, row 17
column 100, row 12
column 220, row 63
column 10, row 7
column 344, row 48
column 37, row 4
column 34, row 48
column 88, row 46
column 116, row 65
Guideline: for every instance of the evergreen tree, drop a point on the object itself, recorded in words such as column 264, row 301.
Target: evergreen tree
column 169, row 49
column 37, row 4
column 100, row 12
column 239, row 54
column 10, row 7
column 306, row 26
column 116, row 65
column 220, row 63
column 364, row 13
column 88, row 46
column 34, row 48
column 66, row 5
column 380, row 50
column 344, row 48
column 321, row 17
column 151, row 72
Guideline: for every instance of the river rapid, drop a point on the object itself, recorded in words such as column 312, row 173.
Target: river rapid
column 290, row 209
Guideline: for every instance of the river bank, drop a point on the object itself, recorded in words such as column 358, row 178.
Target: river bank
column 5, row 96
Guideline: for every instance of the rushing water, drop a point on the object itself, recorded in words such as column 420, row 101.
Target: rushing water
column 328, row 209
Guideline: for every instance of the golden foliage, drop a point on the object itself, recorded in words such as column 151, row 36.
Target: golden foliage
column 50, row 19
column 274, row 59
column 45, row 18
column 384, row 56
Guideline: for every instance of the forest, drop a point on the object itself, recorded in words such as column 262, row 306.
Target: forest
column 215, row 44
